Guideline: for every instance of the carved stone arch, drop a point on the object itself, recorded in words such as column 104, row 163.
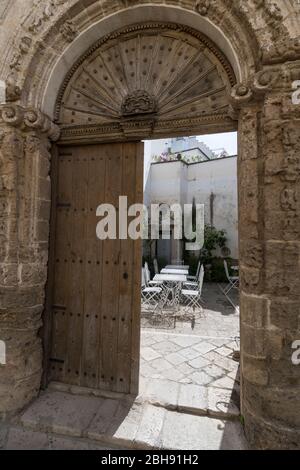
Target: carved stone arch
column 159, row 74
column 259, row 31
column 46, row 71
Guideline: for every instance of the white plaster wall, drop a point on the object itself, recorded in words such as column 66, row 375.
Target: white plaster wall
column 217, row 177
column 166, row 183
column 176, row 182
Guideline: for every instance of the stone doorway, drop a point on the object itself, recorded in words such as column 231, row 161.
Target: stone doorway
column 143, row 80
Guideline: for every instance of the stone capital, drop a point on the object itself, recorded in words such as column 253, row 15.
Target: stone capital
column 259, row 85
column 28, row 119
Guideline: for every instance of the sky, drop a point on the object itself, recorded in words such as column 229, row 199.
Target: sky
column 226, row 140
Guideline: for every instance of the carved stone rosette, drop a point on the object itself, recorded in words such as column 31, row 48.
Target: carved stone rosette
column 138, row 102
column 24, row 231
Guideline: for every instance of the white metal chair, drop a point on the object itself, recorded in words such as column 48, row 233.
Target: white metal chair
column 148, row 280
column 193, row 298
column 150, row 295
column 193, row 284
column 233, row 281
column 196, row 277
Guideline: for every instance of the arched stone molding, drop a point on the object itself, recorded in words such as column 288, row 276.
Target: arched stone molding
column 30, row 67
column 260, row 28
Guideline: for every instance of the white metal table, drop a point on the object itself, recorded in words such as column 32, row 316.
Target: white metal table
column 172, row 288
column 177, row 266
column 170, row 277
column 174, row 271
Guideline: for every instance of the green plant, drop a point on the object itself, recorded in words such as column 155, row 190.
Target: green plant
column 213, row 239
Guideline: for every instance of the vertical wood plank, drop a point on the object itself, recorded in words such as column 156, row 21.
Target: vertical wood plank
column 77, row 267
column 63, row 209
column 136, row 286
column 110, row 274
column 128, row 169
column 93, row 271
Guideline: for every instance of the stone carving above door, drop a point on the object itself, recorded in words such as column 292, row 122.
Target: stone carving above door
column 160, row 72
column 138, row 102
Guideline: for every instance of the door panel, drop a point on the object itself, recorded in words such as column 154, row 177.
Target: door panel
column 95, row 314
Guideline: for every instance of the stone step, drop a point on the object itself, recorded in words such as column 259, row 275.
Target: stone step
column 192, row 399
column 126, row 424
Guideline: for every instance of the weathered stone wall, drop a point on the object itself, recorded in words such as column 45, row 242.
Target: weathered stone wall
column 269, row 192
column 24, row 233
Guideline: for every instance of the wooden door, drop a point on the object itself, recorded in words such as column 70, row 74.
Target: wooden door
column 95, row 308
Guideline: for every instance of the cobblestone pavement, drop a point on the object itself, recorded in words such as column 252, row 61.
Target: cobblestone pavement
column 201, row 356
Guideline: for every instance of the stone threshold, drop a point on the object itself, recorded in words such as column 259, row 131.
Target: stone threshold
column 57, row 419
column 184, row 398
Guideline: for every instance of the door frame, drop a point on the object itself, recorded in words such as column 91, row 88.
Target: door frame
column 46, row 332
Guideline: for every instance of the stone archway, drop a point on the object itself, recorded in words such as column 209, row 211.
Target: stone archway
column 265, row 67
column 146, row 80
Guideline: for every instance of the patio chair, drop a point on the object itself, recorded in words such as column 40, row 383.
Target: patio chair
column 148, row 281
column 193, row 298
column 196, row 277
column 193, row 284
column 233, row 281
column 150, row 295
column 155, row 265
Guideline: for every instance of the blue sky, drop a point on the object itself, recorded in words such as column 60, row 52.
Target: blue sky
column 226, row 140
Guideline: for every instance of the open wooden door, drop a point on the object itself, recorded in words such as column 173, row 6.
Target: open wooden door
column 95, row 308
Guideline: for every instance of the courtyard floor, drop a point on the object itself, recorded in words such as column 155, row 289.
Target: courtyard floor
column 177, row 359
column 202, row 355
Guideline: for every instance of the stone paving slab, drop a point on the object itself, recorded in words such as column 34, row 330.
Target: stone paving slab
column 116, row 423
column 20, row 438
column 182, row 431
column 61, row 413
column 25, row 439
column 162, row 393
column 104, row 422
column 191, row 398
column 150, row 427
column 196, row 359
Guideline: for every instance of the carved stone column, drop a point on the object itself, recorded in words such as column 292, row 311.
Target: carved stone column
column 24, row 233
column 269, row 205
